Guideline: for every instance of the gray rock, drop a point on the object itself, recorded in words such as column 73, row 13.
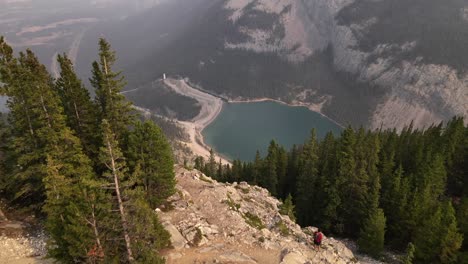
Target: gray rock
column 236, row 257
column 177, row 240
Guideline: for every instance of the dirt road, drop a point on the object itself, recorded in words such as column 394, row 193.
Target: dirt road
column 211, row 106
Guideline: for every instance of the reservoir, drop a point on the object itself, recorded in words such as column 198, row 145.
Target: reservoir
column 243, row 128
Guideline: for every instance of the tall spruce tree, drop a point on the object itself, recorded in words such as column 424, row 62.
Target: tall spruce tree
column 270, row 178
column 135, row 230
column 77, row 105
column 257, row 168
column 372, row 237
column 282, row 169
column 117, row 179
column 307, row 180
column 108, row 85
column 451, row 238
column 348, row 185
column 149, row 150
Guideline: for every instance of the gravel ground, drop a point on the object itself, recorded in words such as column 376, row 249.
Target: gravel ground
column 28, row 248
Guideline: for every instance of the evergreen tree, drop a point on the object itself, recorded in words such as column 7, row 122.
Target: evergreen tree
column 281, row 169
column 77, row 105
column 371, row 239
column 289, row 186
column 451, row 239
column 270, row 178
column 462, row 220
column 349, row 185
column 211, row 166
column 117, row 178
column 135, row 231
column 219, row 171
column 328, row 186
column 199, row 163
column 438, row 239
column 108, row 85
column 307, row 180
column 395, row 204
column 149, row 150
column 257, row 168
column 288, row 208
column 68, row 175
column 408, row 258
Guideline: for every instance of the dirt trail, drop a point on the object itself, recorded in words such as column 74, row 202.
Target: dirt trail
column 211, row 106
column 72, row 53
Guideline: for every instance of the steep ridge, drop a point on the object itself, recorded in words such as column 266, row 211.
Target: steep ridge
column 212, row 222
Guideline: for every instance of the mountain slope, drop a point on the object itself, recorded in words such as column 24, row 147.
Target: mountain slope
column 212, row 222
column 374, row 63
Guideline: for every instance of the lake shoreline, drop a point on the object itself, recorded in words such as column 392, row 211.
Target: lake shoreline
column 311, row 107
column 212, row 106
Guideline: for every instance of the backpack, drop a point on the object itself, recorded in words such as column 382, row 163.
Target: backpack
column 318, row 237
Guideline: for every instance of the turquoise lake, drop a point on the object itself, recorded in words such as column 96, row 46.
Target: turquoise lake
column 243, row 128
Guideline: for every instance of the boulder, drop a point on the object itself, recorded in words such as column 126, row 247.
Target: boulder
column 177, row 240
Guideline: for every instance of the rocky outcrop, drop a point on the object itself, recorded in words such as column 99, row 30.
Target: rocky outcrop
column 212, row 222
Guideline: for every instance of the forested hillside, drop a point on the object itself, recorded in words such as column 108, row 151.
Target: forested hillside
column 382, row 188
column 88, row 168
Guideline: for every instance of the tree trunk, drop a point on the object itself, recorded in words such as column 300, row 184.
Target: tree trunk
column 45, row 112
column 120, row 202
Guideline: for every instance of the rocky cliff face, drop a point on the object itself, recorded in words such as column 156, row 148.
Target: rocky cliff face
column 369, row 62
column 422, row 77
column 212, row 222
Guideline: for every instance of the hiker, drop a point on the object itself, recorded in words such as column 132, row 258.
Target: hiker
column 318, row 236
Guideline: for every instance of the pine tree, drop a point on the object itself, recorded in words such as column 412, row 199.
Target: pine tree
column 219, row 172
column 211, row 166
column 372, row 236
column 348, row 185
column 462, row 220
column 270, row 178
column 68, row 175
column 395, row 204
column 118, row 179
column 307, row 180
column 133, row 229
column 199, row 163
column 149, row 149
column 108, row 86
column 77, row 105
column 328, row 187
column 281, row 169
column 289, row 186
column 451, row 239
column 257, row 168
column 288, row 208
column 408, row 258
